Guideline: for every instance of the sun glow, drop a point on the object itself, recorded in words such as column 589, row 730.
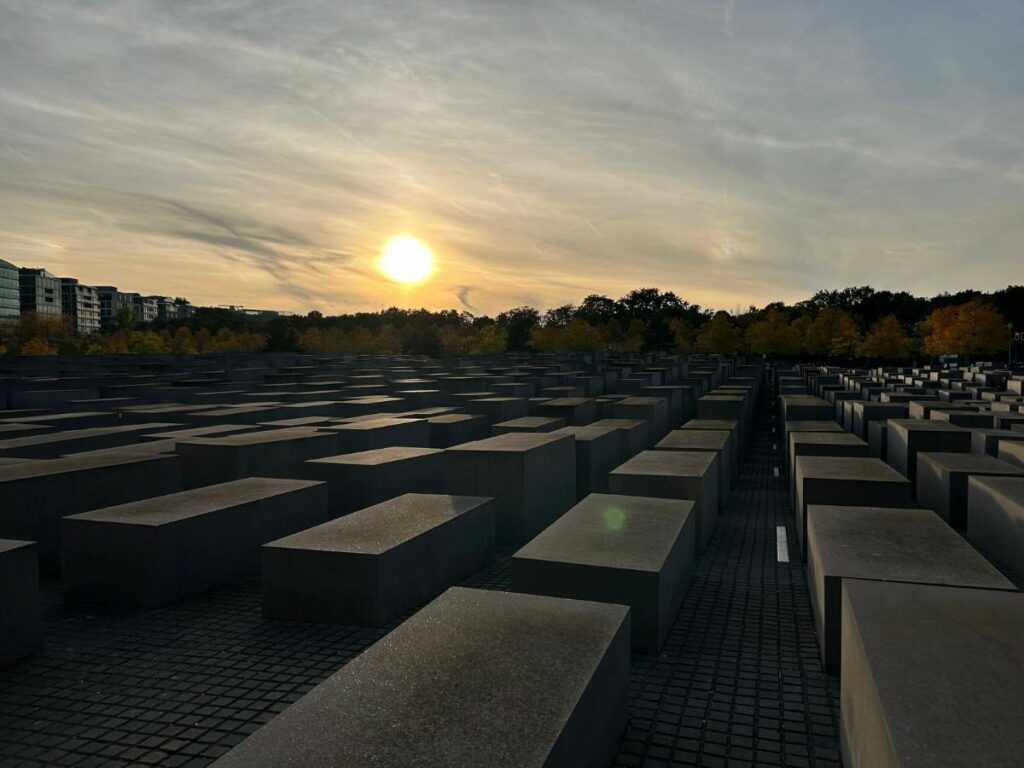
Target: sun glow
column 406, row 260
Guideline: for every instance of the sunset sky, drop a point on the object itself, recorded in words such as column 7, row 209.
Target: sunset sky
column 262, row 153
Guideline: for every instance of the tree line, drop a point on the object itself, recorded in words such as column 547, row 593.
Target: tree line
column 854, row 323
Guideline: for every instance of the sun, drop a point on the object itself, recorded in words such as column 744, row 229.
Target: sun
column 406, row 260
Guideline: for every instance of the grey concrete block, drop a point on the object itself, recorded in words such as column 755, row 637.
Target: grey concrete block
column 529, row 424
column 598, row 452
column 821, row 444
column 574, row 411
column 725, row 444
column 908, row 436
column 931, row 676
column 995, row 520
column 372, row 566
column 450, row 429
column 653, row 410
column 510, row 680
column 357, row 480
column 849, row 481
column 629, row 550
column 532, row 477
column 635, row 434
column 865, row 413
column 1011, row 450
column 691, row 475
column 908, row 545
column 385, row 432
column 942, row 481
column 264, row 453
column 152, row 552
column 21, row 632
column 35, row 495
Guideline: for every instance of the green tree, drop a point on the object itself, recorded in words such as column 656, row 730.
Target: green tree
column 719, row 335
column 887, row 340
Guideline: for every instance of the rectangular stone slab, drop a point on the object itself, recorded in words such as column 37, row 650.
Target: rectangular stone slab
column 684, row 475
column 52, row 445
column 358, row 480
column 152, row 552
column 1011, row 451
column 995, row 520
column 529, row 424
column 717, row 441
column 21, row 630
column 450, row 429
column 383, row 432
column 931, row 676
column 372, row 566
column 476, row 678
column 847, row 480
column 575, row 411
column 865, row 413
column 911, row 545
column 986, row 441
column 653, row 410
column 630, row 550
column 908, row 436
column 532, row 477
column 264, row 453
column 598, row 452
column 35, row 495
column 635, row 434
column 942, row 481
column 821, row 444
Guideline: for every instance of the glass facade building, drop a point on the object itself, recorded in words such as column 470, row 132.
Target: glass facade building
column 40, row 293
column 10, row 292
column 82, row 304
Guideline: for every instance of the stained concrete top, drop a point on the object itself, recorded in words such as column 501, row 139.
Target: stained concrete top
column 567, row 402
column 384, row 422
column 258, row 437
column 301, row 421
column 11, row 545
column 377, row 529
column 824, row 438
column 211, row 429
column 896, row 545
column 586, row 433
column 8, row 431
column 923, row 425
column 619, row 423
column 148, row 447
column 49, row 418
column 727, row 425
column 718, row 397
column 511, row 442
column 812, row 426
column 969, row 463
column 455, row 418
column 674, row 463
column 531, row 422
column 866, row 406
column 694, row 440
column 65, row 436
column 36, row 468
column 847, row 468
column 477, row 677
column 176, row 507
column 640, row 401
column 945, row 663
column 626, row 532
column 378, row 456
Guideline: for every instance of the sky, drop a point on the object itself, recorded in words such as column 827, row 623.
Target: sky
column 262, row 152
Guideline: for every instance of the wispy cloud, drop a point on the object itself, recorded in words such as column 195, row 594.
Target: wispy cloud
column 250, row 152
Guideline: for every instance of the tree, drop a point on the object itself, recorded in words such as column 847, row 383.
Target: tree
column 971, row 328
column 517, row 324
column 833, row 333
column 596, row 309
column 719, row 335
column 886, row 340
column 773, row 335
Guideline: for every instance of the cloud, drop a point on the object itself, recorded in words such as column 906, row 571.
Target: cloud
column 241, row 151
